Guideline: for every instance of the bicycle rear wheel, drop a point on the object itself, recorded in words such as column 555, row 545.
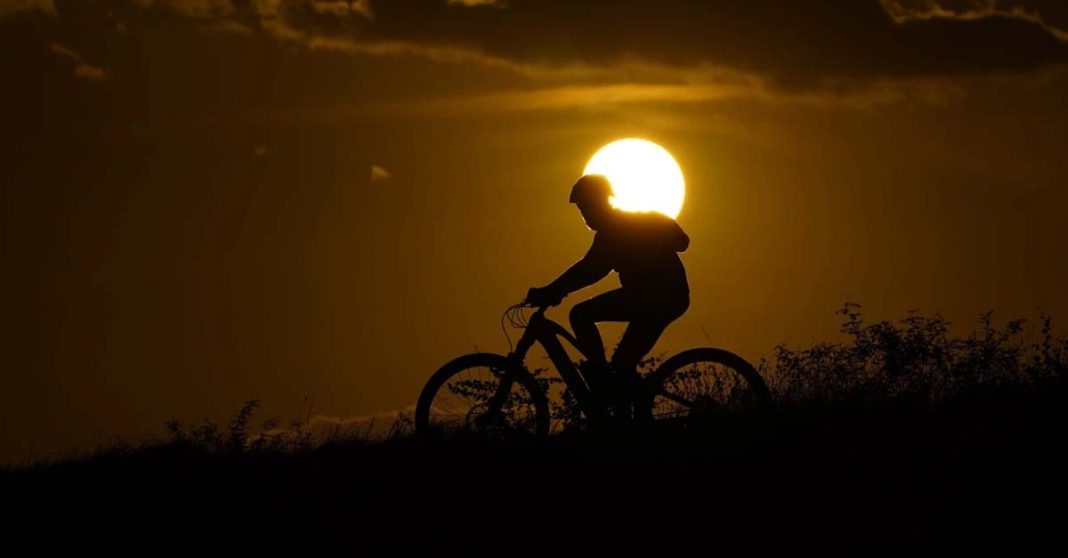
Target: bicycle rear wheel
column 482, row 394
column 705, row 381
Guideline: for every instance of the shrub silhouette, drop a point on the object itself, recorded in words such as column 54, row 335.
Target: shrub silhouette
column 295, row 437
column 844, row 478
column 914, row 360
column 209, row 436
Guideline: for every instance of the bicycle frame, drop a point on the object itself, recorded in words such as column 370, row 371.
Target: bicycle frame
column 547, row 332
column 539, row 329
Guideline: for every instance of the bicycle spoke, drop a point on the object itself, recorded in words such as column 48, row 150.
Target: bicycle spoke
column 484, row 394
column 702, row 386
column 676, row 398
column 472, row 399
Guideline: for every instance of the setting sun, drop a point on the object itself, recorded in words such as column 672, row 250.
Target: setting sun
column 644, row 176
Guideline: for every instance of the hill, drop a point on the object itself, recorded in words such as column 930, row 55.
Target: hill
column 837, row 468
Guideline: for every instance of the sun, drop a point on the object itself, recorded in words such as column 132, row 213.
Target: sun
column 644, row 176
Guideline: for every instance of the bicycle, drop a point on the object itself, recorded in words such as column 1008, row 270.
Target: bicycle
column 494, row 393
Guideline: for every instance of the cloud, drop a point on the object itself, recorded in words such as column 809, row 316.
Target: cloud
column 931, row 92
column 331, row 421
column 367, row 427
column 903, row 11
column 62, row 50
column 379, row 174
column 343, row 8
column 580, row 96
column 81, row 69
column 573, row 96
column 321, row 428
column 792, row 45
column 473, row 3
column 630, row 49
column 89, row 72
column 12, row 6
column 444, row 54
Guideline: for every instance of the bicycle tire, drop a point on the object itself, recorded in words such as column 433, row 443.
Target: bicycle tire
column 526, row 410
column 682, row 388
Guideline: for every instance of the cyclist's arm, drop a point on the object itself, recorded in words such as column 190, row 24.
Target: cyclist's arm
column 590, row 269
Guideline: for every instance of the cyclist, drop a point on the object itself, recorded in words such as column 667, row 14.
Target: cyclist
column 642, row 247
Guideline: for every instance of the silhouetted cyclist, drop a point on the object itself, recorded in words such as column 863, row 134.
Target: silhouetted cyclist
column 643, row 249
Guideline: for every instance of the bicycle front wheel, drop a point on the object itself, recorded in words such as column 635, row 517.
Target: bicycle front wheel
column 483, row 394
column 706, row 381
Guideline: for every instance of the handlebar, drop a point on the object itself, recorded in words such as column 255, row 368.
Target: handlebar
column 525, row 304
column 514, row 315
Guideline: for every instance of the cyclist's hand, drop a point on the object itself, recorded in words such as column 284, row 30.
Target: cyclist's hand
column 542, row 297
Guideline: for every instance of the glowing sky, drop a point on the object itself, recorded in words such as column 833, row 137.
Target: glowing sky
column 205, row 202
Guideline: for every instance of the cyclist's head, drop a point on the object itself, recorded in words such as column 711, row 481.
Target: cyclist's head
column 591, row 194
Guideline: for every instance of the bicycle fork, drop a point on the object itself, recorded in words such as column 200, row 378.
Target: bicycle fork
column 496, row 403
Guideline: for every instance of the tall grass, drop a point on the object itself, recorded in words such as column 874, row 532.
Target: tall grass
column 913, row 360
column 916, row 360
column 239, row 436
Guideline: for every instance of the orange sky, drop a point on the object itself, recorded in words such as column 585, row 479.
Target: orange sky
column 189, row 216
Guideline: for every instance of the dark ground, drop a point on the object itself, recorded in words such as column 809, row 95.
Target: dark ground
column 976, row 475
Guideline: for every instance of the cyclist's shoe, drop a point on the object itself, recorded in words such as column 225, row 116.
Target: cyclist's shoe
column 626, row 395
column 642, row 399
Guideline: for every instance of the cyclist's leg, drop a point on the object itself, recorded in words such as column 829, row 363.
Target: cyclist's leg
column 638, row 339
column 645, row 328
column 612, row 306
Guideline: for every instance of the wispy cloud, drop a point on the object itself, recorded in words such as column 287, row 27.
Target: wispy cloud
column 571, row 97
column 473, row 3
column 904, row 11
column 636, row 50
column 379, row 174
column 81, row 69
column 321, row 428
column 930, row 92
column 12, row 6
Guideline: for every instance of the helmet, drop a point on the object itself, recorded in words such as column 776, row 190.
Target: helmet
column 591, row 187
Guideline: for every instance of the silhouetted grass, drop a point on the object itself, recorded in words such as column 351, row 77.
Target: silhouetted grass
column 915, row 360
column 897, row 439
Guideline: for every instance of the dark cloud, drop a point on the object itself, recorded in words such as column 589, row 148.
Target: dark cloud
column 792, row 44
column 12, row 6
column 81, row 69
column 795, row 42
